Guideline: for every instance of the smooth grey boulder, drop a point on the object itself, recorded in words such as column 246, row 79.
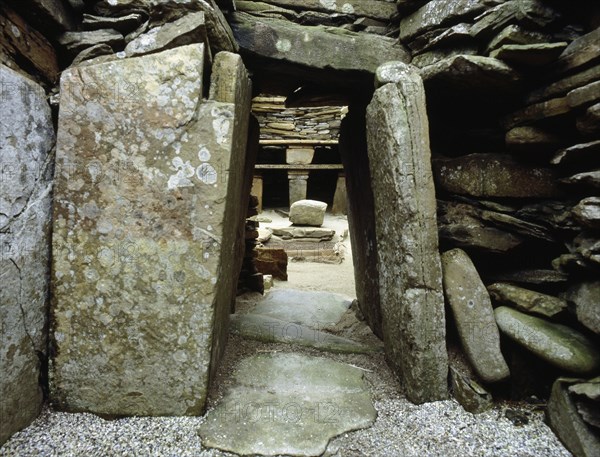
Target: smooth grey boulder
column 474, row 316
column 288, row 404
column 586, row 296
column 315, row 47
column 26, row 164
column 566, row 422
column 308, row 212
column 526, row 300
column 145, row 260
column 410, row 274
column 557, row 344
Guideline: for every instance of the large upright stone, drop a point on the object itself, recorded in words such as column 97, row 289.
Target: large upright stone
column 149, row 181
column 26, row 139
column 410, row 275
column 474, row 316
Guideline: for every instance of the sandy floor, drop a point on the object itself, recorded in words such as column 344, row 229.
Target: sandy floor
column 305, row 275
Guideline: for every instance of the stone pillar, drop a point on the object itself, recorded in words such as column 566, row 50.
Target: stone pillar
column 361, row 216
column 340, row 199
column 257, row 189
column 146, row 216
column 298, row 184
column 410, row 274
column 26, row 139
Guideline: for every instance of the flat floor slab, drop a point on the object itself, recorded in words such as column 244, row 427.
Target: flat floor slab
column 288, row 404
column 271, row 330
column 312, row 309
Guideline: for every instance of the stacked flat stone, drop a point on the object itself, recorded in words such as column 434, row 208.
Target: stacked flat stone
column 280, row 123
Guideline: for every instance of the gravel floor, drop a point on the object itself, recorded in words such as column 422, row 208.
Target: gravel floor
column 402, row 429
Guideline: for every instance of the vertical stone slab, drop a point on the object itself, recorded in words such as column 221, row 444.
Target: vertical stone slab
column 26, row 141
column 142, row 229
column 230, row 83
column 361, row 216
column 410, row 275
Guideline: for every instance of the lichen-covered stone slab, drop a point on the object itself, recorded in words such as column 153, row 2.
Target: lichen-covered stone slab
column 557, row 344
column 288, row 404
column 528, row 301
column 473, row 315
column 144, row 234
column 410, row 273
column 315, row 47
column 26, row 139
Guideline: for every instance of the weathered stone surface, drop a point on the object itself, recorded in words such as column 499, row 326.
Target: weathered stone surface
column 527, row 12
column 454, row 36
column 123, row 24
column 586, row 297
column 75, row 42
column 162, row 11
column 273, row 394
column 565, row 85
column 590, row 179
column 272, row 261
column 271, row 330
column 531, row 139
column 587, row 153
column 21, row 44
column 473, row 315
column 582, row 51
column 148, row 249
column 557, row 344
column 188, row 29
column 53, row 14
column 437, row 13
column 530, row 55
column 377, row 9
column 91, row 53
column 308, row 212
column 472, row 396
column 567, row 423
column 471, row 73
column 26, row 140
column 361, row 217
column 313, row 233
column 493, row 175
column 533, row 277
column 515, row 34
column 586, row 95
column 312, row 309
column 438, row 55
column 412, row 303
column 550, row 109
column 315, row 47
column 526, row 300
column 589, row 123
column 587, row 212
